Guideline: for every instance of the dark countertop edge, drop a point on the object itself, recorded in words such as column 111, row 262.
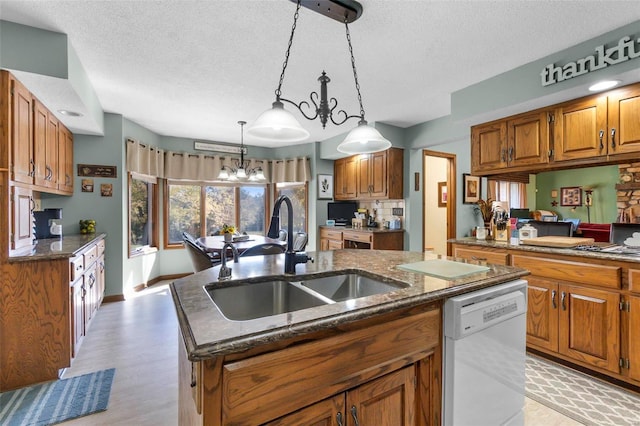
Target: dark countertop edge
column 365, row 229
column 241, row 344
column 72, row 244
column 470, row 241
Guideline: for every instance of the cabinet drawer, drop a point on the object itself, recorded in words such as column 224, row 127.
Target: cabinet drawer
column 100, row 246
column 363, row 237
column 498, row 258
column 269, row 386
column 330, row 234
column 583, row 273
column 634, row 280
column 76, row 265
column 90, row 256
column 335, row 245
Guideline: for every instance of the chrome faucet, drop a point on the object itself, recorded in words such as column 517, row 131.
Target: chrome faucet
column 225, row 271
column 291, row 258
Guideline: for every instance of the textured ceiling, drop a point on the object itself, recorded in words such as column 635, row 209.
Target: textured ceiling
column 194, row 68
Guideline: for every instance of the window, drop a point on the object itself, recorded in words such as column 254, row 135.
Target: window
column 143, row 233
column 515, row 193
column 202, row 209
column 297, row 193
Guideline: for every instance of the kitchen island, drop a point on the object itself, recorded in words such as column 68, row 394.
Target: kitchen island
column 310, row 364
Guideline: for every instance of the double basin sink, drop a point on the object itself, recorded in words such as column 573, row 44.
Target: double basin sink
column 261, row 299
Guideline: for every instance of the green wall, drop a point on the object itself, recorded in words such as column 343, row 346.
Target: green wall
column 601, row 179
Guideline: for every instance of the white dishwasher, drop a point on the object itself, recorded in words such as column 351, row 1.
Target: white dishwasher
column 484, row 356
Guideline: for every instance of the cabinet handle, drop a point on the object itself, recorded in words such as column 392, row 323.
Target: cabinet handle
column 339, row 418
column 613, row 138
column 484, row 259
column 601, row 136
column 562, row 301
column 354, row 414
column 553, row 299
column 503, row 155
column 510, row 154
column 67, row 179
column 49, row 173
column 33, row 167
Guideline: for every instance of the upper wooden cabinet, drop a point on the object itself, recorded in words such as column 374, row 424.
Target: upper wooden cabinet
column 517, row 142
column 39, row 148
column 373, row 176
column 602, row 128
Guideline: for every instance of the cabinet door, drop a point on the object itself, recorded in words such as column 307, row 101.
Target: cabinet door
column 22, row 218
column 528, row 137
column 590, row 326
column 479, row 254
column 624, row 125
column 77, row 316
column 328, row 412
column 489, row 146
column 378, row 176
column 580, row 129
column 345, row 178
column 65, row 160
column 335, row 245
column 542, row 313
column 364, row 175
column 40, row 133
column 324, row 244
column 51, row 154
column 100, row 281
column 634, row 341
column 22, row 161
column 91, row 287
column 387, row 401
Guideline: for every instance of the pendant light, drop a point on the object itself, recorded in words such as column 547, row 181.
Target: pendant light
column 279, row 124
column 241, row 170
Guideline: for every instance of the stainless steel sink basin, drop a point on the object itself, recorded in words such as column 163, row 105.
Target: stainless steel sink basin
column 348, row 286
column 262, row 299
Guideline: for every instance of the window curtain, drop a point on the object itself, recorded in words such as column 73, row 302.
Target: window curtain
column 515, row 193
column 291, row 170
column 144, row 162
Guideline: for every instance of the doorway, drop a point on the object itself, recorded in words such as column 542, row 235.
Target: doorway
column 438, row 201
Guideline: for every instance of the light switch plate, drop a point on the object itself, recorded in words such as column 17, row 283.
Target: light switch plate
column 397, row 211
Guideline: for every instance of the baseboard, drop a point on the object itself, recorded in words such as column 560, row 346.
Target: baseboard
column 156, row 280
column 113, row 298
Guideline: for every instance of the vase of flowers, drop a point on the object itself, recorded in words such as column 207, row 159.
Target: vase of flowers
column 228, row 231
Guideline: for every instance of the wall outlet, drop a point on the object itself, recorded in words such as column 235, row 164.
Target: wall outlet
column 397, row 211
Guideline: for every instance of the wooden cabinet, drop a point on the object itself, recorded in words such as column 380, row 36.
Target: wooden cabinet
column 580, row 129
column 65, row 159
column 376, row 176
column 579, row 322
column 330, row 239
column 345, row 174
column 624, row 125
column 634, row 341
column 498, row 257
column 387, row 401
column 350, row 238
column 19, row 128
column 382, row 371
column 22, row 220
column 45, row 140
column 519, row 141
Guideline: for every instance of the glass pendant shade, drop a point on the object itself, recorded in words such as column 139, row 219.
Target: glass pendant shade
column 278, row 124
column 223, row 174
column 364, row 139
column 241, row 173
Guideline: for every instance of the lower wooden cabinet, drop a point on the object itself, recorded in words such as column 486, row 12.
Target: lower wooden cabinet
column 349, row 238
column 634, row 341
column 22, row 221
column 498, row 257
column 330, row 239
column 387, row 401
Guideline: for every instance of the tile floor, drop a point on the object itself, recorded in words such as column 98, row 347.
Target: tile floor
column 139, row 338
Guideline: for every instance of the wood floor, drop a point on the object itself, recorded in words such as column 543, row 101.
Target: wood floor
column 139, row 337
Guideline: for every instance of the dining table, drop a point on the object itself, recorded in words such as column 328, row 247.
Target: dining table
column 214, row 243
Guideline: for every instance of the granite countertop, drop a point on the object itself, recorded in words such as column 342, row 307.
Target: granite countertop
column 550, row 250
column 207, row 333
column 56, row 248
column 364, row 229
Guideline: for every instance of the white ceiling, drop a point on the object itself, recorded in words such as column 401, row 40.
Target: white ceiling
column 192, row 69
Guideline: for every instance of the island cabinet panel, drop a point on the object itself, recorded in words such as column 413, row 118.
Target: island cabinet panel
column 499, row 257
column 542, row 313
column 324, row 413
column 634, row 340
column 624, row 125
column 268, row 386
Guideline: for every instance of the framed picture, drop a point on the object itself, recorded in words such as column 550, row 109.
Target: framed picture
column 442, row 194
column 106, row 189
column 87, row 185
column 325, row 187
column 470, row 188
column 571, row 196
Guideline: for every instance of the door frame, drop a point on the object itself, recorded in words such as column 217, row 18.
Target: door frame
column 451, row 194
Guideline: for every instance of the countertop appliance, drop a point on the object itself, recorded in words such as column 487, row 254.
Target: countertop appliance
column 44, row 220
column 484, row 356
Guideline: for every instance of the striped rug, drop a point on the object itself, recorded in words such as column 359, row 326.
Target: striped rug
column 58, row 401
column 585, row 399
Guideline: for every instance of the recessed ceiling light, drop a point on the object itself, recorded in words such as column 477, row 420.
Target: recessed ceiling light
column 603, row 85
column 69, row 113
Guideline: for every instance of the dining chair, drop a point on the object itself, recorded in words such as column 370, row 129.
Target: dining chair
column 200, row 259
column 300, row 242
column 262, row 249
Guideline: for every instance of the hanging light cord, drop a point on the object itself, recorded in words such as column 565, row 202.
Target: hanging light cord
column 355, row 73
column 286, row 56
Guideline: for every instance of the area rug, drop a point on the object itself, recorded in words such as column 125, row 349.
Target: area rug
column 55, row 402
column 587, row 400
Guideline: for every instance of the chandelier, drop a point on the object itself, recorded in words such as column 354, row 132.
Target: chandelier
column 240, row 170
column 280, row 125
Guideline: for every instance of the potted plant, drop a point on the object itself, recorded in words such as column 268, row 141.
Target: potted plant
column 227, row 231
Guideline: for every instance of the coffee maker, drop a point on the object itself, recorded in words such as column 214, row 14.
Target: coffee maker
column 48, row 223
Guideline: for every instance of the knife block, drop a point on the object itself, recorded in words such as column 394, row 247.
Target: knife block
column 500, row 235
